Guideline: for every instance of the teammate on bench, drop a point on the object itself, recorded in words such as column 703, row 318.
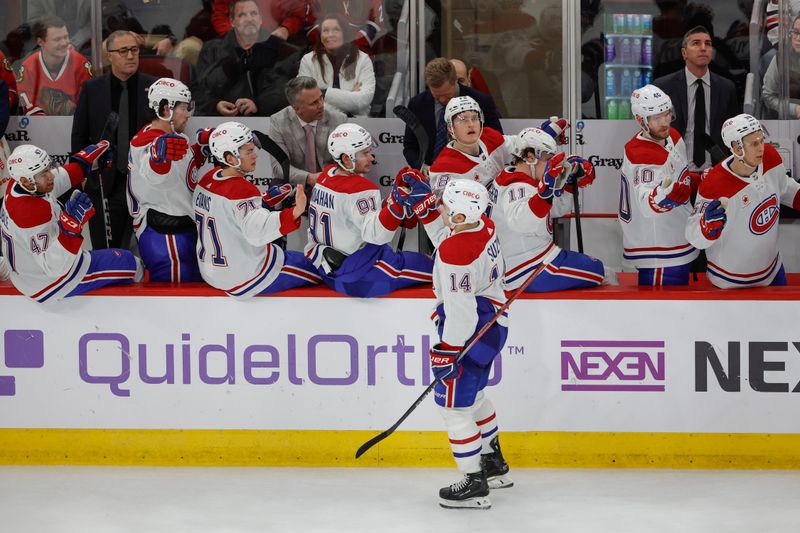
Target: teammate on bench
column 349, row 228
column 236, row 227
column 42, row 242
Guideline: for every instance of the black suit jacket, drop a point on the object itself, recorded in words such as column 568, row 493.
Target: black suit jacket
column 724, row 102
column 422, row 105
column 94, row 106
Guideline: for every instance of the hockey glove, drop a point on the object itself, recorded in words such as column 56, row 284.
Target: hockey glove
column 668, row 196
column 557, row 128
column 443, row 362
column 168, row 147
column 86, row 157
column 556, row 174
column 413, row 190
column 713, row 220
column 203, row 136
column 277, row 194
column 76, row 213
column 394, row 203
column 582, row 173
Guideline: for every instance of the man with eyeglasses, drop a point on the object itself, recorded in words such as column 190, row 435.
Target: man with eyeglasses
column 49, row 80
column 123, row 91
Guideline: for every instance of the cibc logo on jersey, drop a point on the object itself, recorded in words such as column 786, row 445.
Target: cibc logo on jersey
column 764, row 216
column 593, row 365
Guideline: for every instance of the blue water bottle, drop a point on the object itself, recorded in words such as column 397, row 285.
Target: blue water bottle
column 647, row 51
column 611, row 49
column 611, row 82
column 626, row 83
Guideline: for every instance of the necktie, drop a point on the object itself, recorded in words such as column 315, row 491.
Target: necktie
column 698, row 147
column 441, row 136
column 123, row 140
column 311, row 152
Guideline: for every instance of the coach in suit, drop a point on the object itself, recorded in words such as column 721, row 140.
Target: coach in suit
column 124, row 91
column 302, row 130
column 702, row 100
column 429, row 106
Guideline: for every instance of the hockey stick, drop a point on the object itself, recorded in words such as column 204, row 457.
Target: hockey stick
column 411, row 120
column 576, row 204
column 109, row 131
column 475, row 338
column 275, row 151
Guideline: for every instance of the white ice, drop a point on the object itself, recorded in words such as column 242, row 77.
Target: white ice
column 228, row 500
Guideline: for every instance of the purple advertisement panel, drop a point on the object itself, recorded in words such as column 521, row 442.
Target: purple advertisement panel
column 596, row 365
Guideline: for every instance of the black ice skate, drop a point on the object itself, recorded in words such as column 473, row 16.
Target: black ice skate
column 471, row 492
column 495, row 467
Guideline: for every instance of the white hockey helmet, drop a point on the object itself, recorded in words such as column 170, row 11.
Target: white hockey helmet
column 533, row 139
column 26, row 161
column 348, row 139
column 465, row 197
column 228, row 137
column 459, row 104
column 648, row 101
column 171, row 90
column 737, row 128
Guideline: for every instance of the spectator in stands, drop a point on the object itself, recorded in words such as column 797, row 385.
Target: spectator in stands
column 773, row 78
column 699, row 120
column 228, row 68
column 122, row 90
column 282, row 18
column 50, row 79
column 462, row 75
column 4, row 148
column 364, row 18
column 302, row 130
column 429, row 106
column 470, row 77
column 77, row 15
column 7, row 75
column 343, row 72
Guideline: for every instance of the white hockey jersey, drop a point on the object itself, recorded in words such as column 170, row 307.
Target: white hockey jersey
column 653, row 237
column 523, row 223
column 495, row 153
column 45, row 263
column 746, row 252
column 234, row 235
column 468, row 264
column 166, row 187
column 345, row 213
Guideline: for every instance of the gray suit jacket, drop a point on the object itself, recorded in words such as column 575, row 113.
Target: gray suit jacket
column 285, row 130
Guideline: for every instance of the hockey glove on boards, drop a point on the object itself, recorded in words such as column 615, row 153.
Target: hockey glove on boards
column 582, row 173
column 669, row 195
column 86, row 157
column 168, row 147
column 443, row 362
column 557, row 128
column 713, row 220
column 556, row 174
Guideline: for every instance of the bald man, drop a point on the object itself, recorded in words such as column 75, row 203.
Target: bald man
column 462, row 76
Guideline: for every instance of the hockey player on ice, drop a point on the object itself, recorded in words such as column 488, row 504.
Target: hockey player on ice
column 735, row 218
column 161, row 180
column 349, row 228
column 523, row 198
column 42, row 242
column 468, row 285
column 235, row 227
column 655, row 188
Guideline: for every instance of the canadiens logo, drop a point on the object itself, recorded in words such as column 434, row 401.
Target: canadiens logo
column 764, row 216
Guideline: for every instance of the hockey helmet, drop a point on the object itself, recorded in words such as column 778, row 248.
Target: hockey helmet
column 648, row 101
column 533, row 139
column 737, row 128
column 171, row 90
column 465, row 197
column 228, row 137
column 348, row 139
column 459, row 104
column 26, row 161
